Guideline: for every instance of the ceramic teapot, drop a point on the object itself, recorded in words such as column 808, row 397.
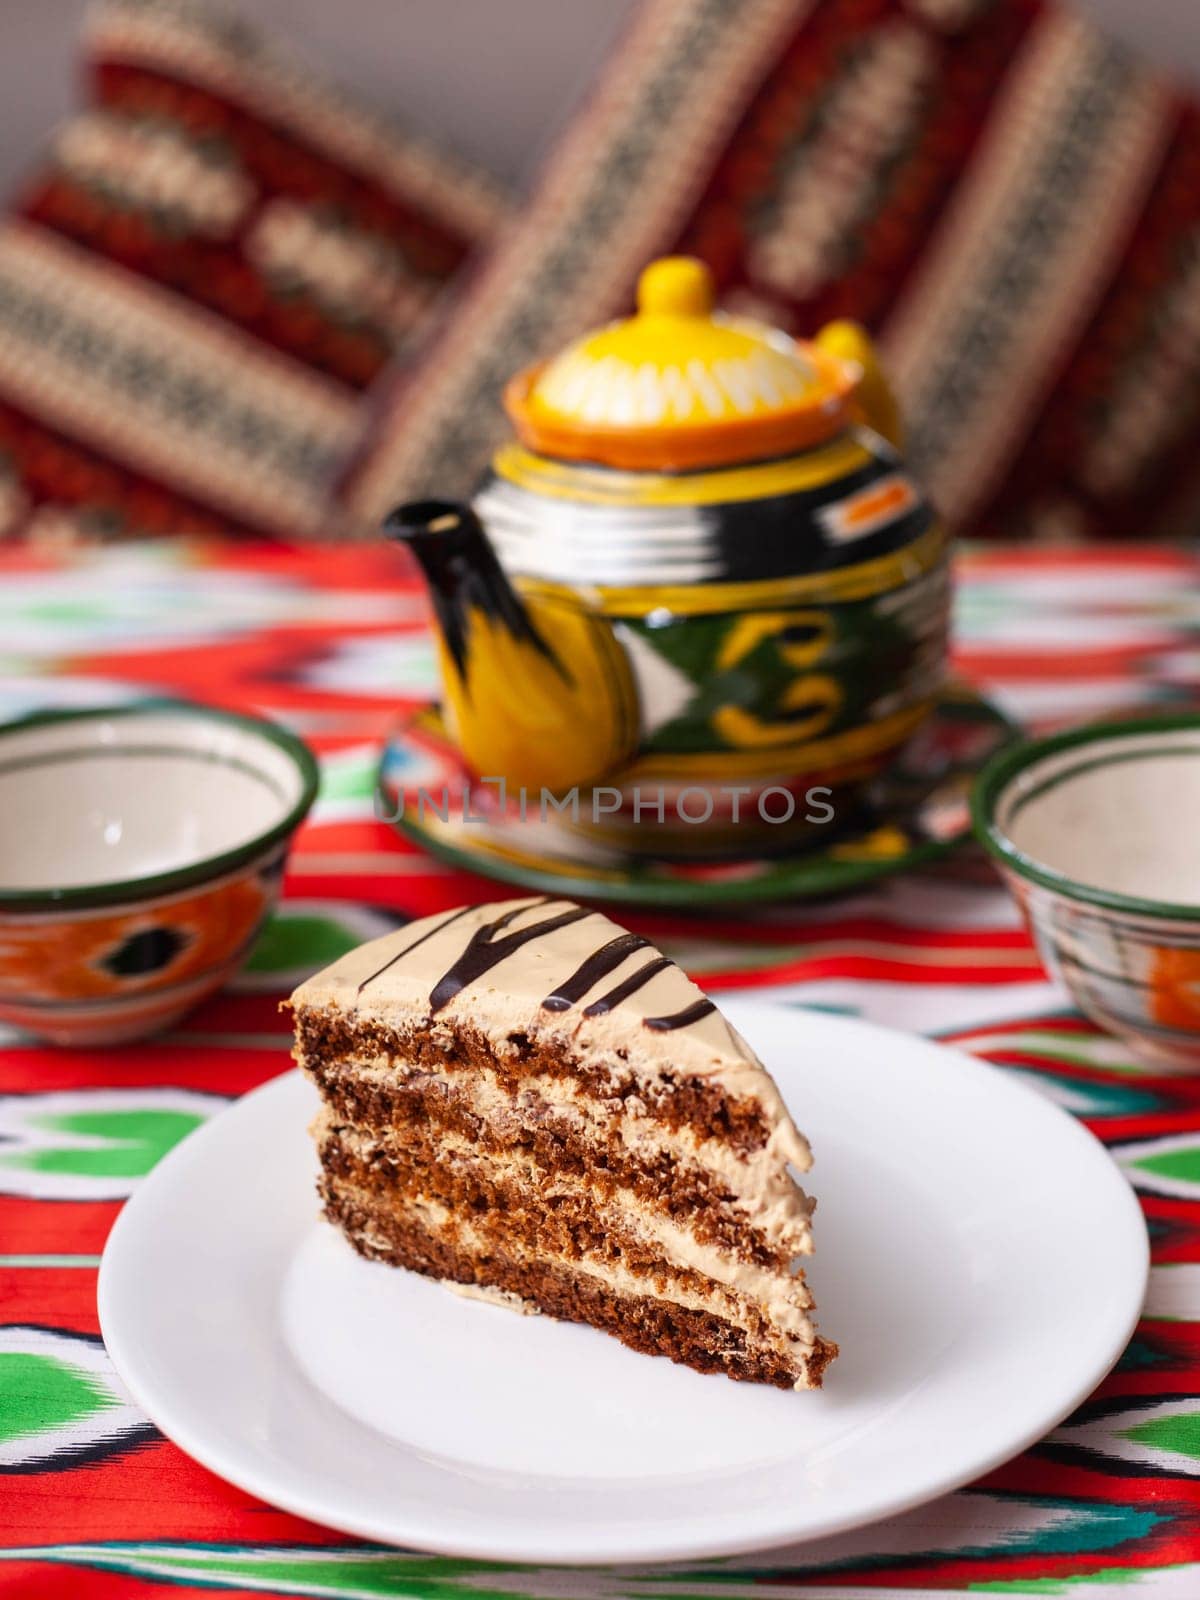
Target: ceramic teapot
column 699, row 578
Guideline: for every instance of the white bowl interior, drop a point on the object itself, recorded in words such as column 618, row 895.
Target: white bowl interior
column 101, row 800
column 1115, row 814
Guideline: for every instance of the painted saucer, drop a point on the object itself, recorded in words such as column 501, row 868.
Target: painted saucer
column 425, row 790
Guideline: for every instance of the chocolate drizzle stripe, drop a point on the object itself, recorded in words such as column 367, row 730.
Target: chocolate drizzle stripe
column 485, row 951
column 400, row 954
column 681, row 1019
column 631, row 985
column 598, row 965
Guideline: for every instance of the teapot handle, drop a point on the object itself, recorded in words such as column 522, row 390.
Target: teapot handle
column 874, row 402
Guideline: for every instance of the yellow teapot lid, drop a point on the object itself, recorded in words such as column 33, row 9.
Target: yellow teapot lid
column 681, row 385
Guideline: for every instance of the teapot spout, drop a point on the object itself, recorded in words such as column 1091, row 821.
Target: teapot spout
column 460, row 567
column 536, row 692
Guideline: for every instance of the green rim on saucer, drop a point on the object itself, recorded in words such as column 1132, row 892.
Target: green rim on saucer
column 196, row 872
column 931, row 818
column 1010, row 762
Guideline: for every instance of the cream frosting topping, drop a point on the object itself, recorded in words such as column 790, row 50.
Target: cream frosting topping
column 495, row 966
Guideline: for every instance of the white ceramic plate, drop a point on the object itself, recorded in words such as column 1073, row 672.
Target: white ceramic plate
column 979, row 1258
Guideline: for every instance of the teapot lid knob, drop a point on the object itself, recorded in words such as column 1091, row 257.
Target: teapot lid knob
column 676, row 286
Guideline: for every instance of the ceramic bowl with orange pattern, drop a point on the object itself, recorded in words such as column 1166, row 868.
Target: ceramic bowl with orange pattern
column 1095, row 832
column 141, row 849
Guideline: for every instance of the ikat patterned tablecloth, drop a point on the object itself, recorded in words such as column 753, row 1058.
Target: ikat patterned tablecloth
column 95, row 1504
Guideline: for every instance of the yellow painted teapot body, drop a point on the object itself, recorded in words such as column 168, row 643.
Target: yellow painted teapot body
column 699, row 578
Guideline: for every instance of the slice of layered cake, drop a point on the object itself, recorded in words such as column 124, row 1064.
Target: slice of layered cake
column 523, row 1099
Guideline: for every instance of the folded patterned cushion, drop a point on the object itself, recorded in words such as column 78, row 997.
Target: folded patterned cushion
column 217, row 258
column 1006, row 197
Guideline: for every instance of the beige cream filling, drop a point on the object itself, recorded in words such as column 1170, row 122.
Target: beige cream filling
column 782, row 1298
column 763, row 1189
column 438, row 1218
column 504, row 1298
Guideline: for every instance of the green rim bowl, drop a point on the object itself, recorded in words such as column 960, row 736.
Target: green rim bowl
column 1094, row 833
column 143, row 848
